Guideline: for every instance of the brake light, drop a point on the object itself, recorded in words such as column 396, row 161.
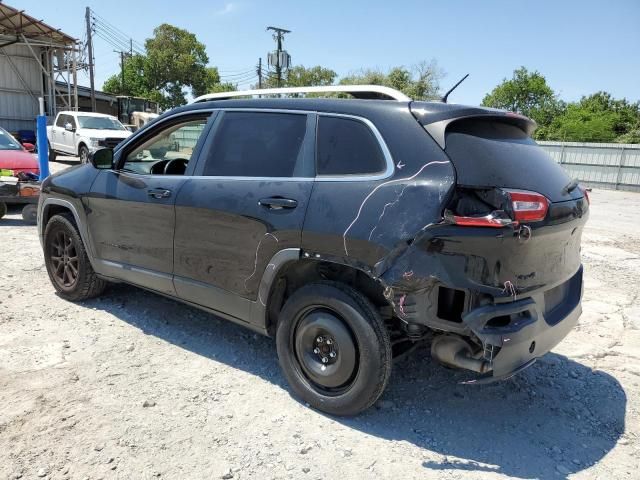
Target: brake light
column 528, row 206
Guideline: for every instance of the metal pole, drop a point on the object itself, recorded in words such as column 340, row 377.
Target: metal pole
column 620, row 166
column 41, row 140
column 278, row 66
column 122, row 72
column 68, row 65
column 75, row 80
column 259, row 72
column 52, row 85
column 87, row 17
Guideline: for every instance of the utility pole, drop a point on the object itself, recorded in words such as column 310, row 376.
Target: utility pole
column 280, row 58
column 259, row 72
column 122, row 55
column 87, row 17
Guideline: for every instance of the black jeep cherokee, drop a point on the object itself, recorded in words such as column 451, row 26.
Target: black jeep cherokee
column 348, row 229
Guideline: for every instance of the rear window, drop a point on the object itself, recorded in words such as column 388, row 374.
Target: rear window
column 490, row 153
column 255, row 144
column 347, row 147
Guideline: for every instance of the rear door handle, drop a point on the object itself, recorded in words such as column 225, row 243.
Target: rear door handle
column 159, row 193
column 278, row 203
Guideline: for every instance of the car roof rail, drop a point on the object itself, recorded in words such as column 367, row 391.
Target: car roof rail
column 377, row 92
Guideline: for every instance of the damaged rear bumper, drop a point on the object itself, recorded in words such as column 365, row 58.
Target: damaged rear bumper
column 514, row 334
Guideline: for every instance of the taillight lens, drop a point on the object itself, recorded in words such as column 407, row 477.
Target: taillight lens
column 525, row 207
column 528, row 206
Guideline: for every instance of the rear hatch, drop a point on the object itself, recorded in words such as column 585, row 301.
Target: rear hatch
column 516, row 215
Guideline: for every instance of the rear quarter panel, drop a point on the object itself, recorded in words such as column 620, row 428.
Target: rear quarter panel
column 361, row 222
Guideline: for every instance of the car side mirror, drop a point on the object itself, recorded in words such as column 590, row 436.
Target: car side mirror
column 29, row 147
column 68, row 127
column 102, row 159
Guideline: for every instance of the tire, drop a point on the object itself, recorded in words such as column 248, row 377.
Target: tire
column 52, row 154
column 30, row 213
column 327, row 318
column 83, row 153
column 77, row 280
column 3, row 209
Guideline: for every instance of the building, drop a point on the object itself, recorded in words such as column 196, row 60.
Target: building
column 36, row 60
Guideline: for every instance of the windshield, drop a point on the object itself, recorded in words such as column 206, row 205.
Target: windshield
column 7, row 142
column 100, row 123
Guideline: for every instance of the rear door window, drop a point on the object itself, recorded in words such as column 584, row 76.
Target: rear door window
column 258, row 144
column 347, row 146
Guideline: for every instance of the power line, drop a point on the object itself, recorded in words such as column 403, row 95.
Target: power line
column 243, row 74
column 121, row 42
column 116, row 29
column 236, row 80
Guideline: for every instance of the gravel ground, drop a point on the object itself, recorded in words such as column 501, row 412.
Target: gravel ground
column 136, row 386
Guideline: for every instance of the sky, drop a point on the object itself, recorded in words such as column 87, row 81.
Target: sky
column 580, row 46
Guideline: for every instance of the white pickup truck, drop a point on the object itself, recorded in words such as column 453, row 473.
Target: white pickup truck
column 80, row 133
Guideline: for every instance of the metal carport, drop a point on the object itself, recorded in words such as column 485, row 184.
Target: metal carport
column 33, row 57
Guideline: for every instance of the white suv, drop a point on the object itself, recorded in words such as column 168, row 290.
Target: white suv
column 80, row 133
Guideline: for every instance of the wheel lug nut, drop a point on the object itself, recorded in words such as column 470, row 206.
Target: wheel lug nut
column 316, row 350
column 319, row 340
column 329, row 341
column 325, row 359
column 332, row 354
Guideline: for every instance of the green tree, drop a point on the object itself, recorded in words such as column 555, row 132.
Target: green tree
column 420, row 82
column 597, row 118
column 300, row 76
column 175, row 61
column 529, row 94
column 175, row 64
column 210, row 83
column 134, row 78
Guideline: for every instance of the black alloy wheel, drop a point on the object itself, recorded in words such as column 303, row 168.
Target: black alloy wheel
column 64, row 259
column 67, row 262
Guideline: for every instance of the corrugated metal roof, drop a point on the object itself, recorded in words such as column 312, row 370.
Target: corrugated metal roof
column 15, row 23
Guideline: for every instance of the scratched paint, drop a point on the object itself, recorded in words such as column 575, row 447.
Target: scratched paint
column 377, row 188
column 255, row 264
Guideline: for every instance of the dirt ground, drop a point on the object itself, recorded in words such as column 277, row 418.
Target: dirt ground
column 135, row 386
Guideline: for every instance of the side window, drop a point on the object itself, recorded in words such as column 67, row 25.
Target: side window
column 62, row 119
column 168, row 151
column 70, row 119
column 258, row 144
column 347, row 147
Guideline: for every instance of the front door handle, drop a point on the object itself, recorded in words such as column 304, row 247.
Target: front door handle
column 159, row 193
column 278, row 203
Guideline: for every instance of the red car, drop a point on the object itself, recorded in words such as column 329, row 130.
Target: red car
column 16, row 157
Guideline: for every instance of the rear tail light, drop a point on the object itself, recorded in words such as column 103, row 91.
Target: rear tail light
column 525, row 207
column 528, row 206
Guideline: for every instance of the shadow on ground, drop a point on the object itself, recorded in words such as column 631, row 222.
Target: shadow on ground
column 15, row 209
column 555, row 419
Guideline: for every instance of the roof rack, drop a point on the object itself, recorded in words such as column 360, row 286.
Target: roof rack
column 358, row 91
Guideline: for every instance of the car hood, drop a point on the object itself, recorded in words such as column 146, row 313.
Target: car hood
column 18, row 160
column 92, row 132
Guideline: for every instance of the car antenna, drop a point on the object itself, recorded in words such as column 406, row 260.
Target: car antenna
column 444, row 98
